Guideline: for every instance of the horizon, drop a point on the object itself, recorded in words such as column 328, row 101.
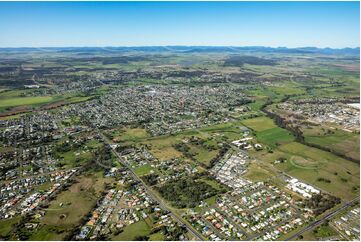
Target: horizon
column 129, row 24
column 189, row 46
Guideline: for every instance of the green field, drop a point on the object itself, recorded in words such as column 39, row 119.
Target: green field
column 255, row 172
column 130, row 232
column 26, row 98
column 129, row 134
column 69, row 207
column 7, row 225
column 274, row 136
column 310, row 164
column 142, row 170
column 343, row 142
column 24, row 101
column 259, row 124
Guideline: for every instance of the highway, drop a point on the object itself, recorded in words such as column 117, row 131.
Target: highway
column 152, row 195
column 327, row 216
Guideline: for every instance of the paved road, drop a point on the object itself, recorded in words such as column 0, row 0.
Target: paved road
column 328, row 216
column 152, row 195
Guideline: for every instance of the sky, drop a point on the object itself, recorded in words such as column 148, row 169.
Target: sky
column 274, row 24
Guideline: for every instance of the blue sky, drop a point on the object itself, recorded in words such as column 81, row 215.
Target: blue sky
column 289, row 24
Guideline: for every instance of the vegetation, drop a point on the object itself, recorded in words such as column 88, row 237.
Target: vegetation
column 186, row 192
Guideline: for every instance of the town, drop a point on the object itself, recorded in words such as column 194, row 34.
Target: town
column 181, row 146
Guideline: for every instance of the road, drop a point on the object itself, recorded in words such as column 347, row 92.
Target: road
column 328, row 216
column 151, row 193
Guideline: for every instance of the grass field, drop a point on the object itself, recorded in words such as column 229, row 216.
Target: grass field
column 340, row 141
column 309, row 164
column 24, row 101
column 274, row 136
column 6, row 225
column 15, row 100
column 204, row 156
column 69, row 207
column 129, row 134
column 255, row 173
column 156, row 237
column 143, row 170
column 130, row 232
column 324, row 231
column 162, row 147
column 259, row 124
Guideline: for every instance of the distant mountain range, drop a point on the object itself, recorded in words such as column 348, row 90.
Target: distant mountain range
column 189, row 49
